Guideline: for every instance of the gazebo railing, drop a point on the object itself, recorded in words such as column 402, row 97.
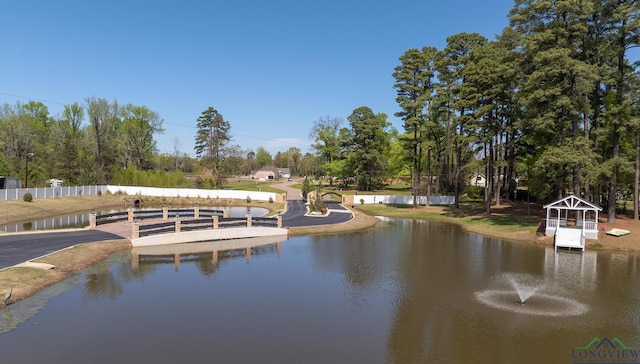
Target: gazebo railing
column 553, row 223
column 590, row 225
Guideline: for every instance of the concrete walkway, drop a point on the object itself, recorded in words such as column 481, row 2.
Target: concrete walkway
column 122, row 228
column 292, row 193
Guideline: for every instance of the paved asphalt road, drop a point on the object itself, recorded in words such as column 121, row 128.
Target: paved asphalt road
column 18, row 248
column 296, row 210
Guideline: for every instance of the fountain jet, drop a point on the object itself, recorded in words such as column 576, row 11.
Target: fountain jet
column 521, row 287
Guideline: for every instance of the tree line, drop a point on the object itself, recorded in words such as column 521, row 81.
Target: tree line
column 65, row 147
column 101, row 142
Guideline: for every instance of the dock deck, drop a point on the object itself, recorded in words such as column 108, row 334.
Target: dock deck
column 570, row 238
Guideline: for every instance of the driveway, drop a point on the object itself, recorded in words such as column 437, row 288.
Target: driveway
column 295, row 214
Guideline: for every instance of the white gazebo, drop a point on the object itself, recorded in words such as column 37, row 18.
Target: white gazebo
column 571, row 220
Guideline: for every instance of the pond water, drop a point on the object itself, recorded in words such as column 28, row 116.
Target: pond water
column 81, row 220
column 402, row 292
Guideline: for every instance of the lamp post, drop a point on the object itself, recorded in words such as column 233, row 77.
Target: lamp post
column 26, row 169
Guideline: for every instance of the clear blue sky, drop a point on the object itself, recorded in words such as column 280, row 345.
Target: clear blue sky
column 271, row 68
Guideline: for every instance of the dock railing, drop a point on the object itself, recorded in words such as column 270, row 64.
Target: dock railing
column 192, row 224
column 165, row 213
column 179, row 220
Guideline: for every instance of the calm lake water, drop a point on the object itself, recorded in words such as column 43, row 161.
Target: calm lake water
column 403, row 292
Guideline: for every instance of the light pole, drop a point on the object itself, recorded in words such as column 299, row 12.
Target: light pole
column 26, row 169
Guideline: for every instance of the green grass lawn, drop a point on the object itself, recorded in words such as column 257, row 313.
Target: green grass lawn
column 469, row 216
column 251, row 185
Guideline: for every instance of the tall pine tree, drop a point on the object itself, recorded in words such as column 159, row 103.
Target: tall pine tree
column 211, row 139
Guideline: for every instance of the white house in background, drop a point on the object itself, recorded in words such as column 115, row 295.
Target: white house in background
column 54, row 182
column 284, row 173
column 478, row 180
column 270, row 173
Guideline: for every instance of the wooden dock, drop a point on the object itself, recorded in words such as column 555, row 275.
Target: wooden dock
column 569, row 238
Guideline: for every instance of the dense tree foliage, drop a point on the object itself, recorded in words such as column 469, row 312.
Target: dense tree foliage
column 82, row 145
column 103, row 128
column 139, row 124
column 367, row 147
column 325, row 134
column 549, row 102
column 263, row 157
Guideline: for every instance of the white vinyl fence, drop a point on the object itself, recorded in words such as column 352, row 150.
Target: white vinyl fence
column 54, row 192
column 10, row 194
column 192, row 193
column 403, row 200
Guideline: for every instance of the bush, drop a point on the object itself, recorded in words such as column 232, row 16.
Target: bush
column 27, row 197
column 318, row 205
column 152, row 178
column 475, row 193
column 306, row 188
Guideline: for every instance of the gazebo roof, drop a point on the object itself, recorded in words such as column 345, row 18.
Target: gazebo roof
column 572, row 202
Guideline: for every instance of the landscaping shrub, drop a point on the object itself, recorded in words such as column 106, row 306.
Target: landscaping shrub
column 306, row 188
column 475, row 193
column 27, row 197
column 318, row 205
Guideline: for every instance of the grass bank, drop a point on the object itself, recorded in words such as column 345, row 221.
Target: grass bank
column 516, row 221
column 28, row 280
column 18, row 211
column 511, row 221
